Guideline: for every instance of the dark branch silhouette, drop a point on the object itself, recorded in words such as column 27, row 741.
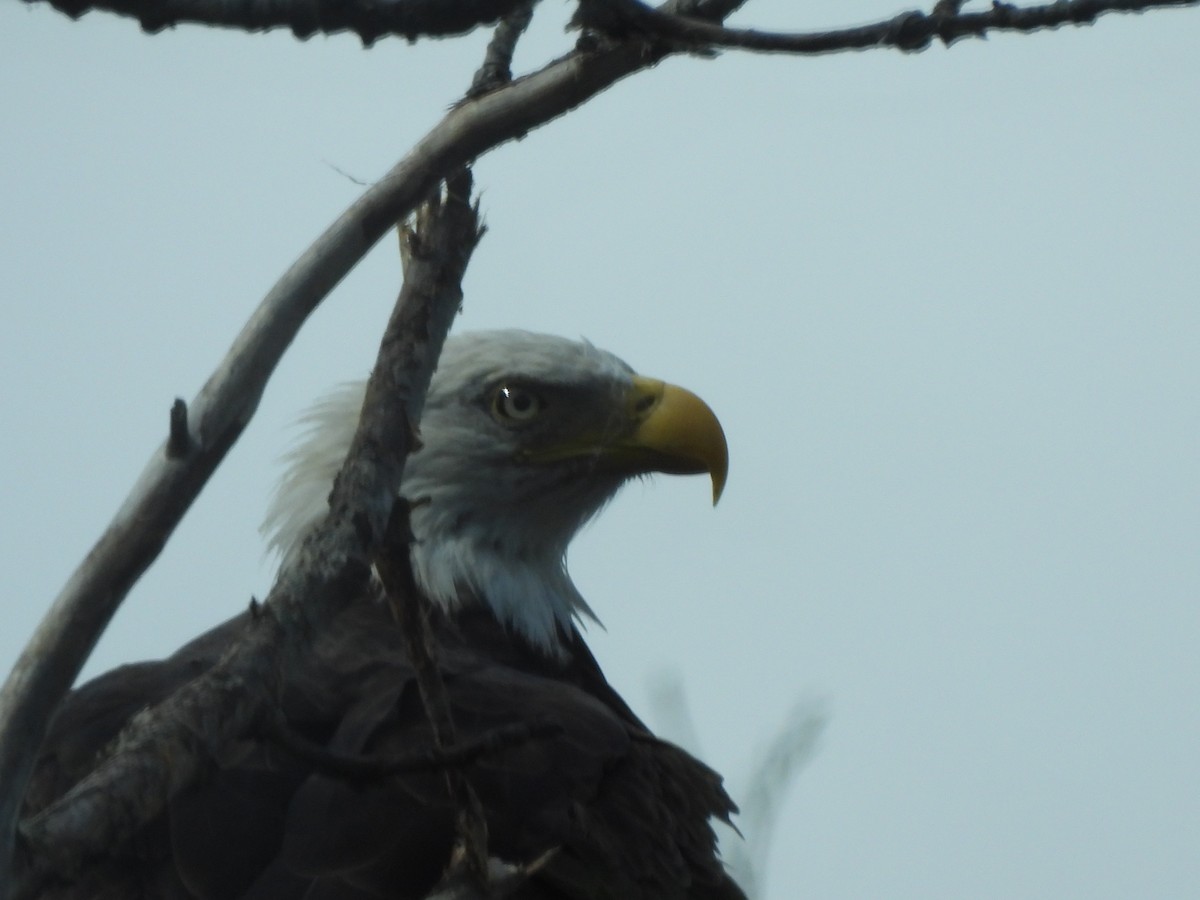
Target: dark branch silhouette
column 411, row 19
column 909, row 31
column 411, row 611
column 369, row 19
column 359, row 769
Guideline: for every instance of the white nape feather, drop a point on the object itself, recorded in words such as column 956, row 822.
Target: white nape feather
column 301, row 498
column 487, row 528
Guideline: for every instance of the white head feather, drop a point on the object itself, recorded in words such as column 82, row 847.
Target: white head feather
column 487, row 527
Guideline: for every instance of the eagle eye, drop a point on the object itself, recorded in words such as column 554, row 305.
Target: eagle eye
column 516, row 404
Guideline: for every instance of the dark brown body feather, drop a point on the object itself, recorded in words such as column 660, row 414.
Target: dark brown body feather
column 628, row 812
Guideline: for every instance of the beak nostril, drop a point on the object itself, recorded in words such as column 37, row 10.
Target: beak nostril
column 644, row 403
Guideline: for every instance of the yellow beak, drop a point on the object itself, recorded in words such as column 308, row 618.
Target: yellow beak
column 674, row 432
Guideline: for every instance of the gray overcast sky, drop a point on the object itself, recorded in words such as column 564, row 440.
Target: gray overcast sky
column 944, row 304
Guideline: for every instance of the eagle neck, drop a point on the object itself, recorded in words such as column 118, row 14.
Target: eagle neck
column 526, row 588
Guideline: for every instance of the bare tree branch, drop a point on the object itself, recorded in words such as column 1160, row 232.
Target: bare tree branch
column 411, row 610
column 369, row 19
column 365, row 769
column 909, row 31
column 772, row 772
column 166, row 747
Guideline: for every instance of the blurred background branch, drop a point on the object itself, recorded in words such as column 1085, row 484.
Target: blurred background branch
column 760, row 788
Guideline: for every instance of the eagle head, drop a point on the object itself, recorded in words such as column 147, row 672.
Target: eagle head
column 524, row 437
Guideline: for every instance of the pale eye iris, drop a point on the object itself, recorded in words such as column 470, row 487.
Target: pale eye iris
column 517, row 404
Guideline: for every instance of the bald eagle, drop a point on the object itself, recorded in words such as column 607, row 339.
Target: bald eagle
column 524, row 438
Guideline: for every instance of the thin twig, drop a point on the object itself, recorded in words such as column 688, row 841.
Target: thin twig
column 358, row 181
column 497, row 61
column 179, row 441
column 366, row 769
column 411, row 610
column 908, row 31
